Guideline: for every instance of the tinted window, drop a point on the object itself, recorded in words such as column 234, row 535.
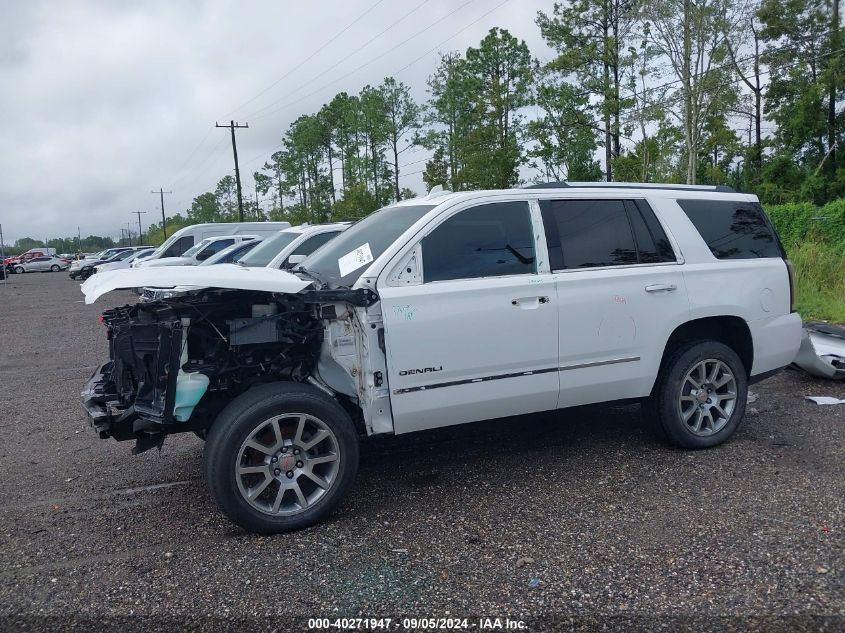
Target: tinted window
column 40, row 259
column 588, row 233
column 652, row 244
column 179, row 246
column 313, row 243
column 214, row 248
column 733, row 230
column 490, row 240
column 377, row 231
column 269, row 248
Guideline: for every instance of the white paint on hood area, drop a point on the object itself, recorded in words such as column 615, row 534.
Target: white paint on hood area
column 220, row 276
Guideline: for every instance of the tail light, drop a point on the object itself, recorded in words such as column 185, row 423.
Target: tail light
column 791, row 272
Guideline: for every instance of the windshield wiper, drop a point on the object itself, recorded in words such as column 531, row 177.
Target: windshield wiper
column 312, row 274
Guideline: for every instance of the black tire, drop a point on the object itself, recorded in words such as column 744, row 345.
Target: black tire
column 664, row 403
column 19, row 270
column 55, row 268
column 240, row 419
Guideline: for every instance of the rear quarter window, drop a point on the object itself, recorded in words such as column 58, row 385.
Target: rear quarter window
column 733, row 229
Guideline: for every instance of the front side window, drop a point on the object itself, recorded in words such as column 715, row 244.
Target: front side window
column 588, row 233
column 491, row 240
column 733, row 229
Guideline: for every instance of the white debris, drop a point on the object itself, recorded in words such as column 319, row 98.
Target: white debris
column 824, row 400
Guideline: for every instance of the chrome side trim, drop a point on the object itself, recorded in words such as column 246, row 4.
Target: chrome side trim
column 545, row 370
column 610, row 361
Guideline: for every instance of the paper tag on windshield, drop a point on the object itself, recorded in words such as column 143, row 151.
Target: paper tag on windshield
column 354, row 260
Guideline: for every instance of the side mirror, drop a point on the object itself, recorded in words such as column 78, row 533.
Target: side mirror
column 295, row 260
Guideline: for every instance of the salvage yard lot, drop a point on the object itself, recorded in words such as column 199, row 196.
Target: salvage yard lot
column 580, row 514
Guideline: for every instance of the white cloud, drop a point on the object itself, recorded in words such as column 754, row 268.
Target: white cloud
column 104, row 101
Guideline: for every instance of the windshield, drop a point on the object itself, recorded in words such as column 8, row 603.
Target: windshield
column 196, row 248
column 367, row 239
column 268, row 249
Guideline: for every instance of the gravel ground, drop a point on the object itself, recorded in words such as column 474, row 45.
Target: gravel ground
column 572, row 520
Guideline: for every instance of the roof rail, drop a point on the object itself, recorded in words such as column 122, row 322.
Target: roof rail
column 633, row 185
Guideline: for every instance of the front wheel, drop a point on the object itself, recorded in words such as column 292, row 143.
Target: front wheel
column 280, row 457
column 55, row 268
column 20, row 270
column 700, row 395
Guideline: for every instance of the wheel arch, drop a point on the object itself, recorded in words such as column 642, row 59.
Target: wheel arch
column 731, row 330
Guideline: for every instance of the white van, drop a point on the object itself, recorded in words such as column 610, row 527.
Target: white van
column 183, row 239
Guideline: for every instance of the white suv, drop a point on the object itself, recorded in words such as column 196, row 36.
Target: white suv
column 453, row 308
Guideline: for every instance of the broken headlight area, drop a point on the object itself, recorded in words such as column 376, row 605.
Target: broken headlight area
column 174, row 364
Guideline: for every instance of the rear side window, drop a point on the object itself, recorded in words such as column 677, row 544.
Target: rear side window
column 733, row 229
column 597, row 233
column 214, row 248
column 490, row 240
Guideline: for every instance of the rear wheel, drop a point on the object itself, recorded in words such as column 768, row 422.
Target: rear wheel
column 280, row 457
column 700, row 395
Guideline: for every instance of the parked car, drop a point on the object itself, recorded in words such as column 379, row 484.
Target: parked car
column 186, row 238
column 453, row 308
column 226, row 256
column 102, row 256
column 88, row 268
column 197, row 254
column 138, row 255
column 48, row 263
column 291, row 246
column 10, row 263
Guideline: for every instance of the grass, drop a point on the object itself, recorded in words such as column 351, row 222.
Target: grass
column 819, row 280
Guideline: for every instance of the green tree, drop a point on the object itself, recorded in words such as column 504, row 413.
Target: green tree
column 205, row 208
column 692, row 37
column 564, row 134
column 499, row 76
column 590, row 38
column 402, row 118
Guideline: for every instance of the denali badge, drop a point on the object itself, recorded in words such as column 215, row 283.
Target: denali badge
column 424, row 370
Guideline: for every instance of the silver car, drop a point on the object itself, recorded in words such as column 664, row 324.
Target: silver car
column 42, row 264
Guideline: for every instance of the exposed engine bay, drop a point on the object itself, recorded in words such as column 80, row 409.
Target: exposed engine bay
column 174, row 364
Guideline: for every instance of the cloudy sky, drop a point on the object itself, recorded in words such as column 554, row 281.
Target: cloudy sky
column 103, row 101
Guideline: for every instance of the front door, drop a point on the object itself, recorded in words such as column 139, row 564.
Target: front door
column 477, row 337
column 621, row 293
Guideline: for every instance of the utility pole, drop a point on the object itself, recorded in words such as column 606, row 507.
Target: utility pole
column 257, row 207
column 161, row 192
column 78, row 242
column 140, row 232
column 233, row 126
column 3, row 255
column 129, row 232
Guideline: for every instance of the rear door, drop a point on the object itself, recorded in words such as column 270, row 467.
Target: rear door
column 473, row 336
column 621, row 293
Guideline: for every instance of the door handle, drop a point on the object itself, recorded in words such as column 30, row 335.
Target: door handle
column 529, row 302
column 661, row 287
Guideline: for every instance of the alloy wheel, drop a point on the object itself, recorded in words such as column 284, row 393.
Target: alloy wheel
column 708, row 397
column 287, row 464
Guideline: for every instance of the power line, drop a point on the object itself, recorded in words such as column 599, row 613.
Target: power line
column 364, row 65
column 344, row 58
column 309, row 58
column 232, row 127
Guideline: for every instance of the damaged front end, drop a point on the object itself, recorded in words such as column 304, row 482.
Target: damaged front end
column 174, row 364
